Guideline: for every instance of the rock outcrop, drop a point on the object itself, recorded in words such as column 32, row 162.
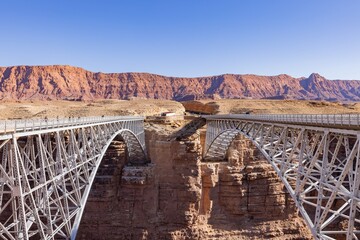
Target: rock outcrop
column 73, row 83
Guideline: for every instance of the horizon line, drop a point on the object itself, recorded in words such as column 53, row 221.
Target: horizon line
column 165, row 75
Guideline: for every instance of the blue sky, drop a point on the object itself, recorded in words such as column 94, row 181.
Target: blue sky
column 186, row 38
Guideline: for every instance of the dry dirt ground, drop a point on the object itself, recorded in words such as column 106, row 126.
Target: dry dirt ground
column 149, row 107
column 41, row 109
column 271, row 106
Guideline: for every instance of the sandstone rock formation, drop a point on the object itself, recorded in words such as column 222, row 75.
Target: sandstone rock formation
column 179, row 197
column 73, row 83
column 266, row 106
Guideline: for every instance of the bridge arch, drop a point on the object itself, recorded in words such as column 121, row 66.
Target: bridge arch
column 217, row 149
column 318, row 166
column 136, row 156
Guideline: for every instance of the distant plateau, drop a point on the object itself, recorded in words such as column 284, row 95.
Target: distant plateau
column 62, row 82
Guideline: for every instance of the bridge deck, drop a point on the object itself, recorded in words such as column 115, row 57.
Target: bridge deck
column 8, row 127
column 342, row 121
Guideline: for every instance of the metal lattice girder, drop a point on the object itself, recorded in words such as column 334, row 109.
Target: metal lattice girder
column 319, row 166
column 46, row 172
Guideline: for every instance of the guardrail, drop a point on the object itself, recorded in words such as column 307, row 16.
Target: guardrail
column 313, row 119
column 26, row 125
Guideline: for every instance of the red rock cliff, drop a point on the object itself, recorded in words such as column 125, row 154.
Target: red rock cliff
column 73, row 83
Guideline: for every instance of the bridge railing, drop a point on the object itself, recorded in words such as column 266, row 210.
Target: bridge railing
column 318, row 119
column 24, row 125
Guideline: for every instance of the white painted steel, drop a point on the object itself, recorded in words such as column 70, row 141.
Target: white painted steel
column 47, row 168
column 317, row 162
column 349, row 121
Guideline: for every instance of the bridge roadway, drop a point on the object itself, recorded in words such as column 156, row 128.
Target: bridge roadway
column 315, row 156
column 47, row 167
column 341, row 121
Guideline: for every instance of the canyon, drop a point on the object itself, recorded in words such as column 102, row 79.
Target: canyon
column 177, row 196
column 61, row 82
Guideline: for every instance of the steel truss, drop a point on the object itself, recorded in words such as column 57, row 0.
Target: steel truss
column 46, row 174
column 320, row 168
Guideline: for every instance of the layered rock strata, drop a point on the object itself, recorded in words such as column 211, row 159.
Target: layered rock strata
column 73, row 83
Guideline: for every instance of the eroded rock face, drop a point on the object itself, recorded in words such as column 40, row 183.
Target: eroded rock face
column 244, row 199
column 199, row 107
column 73, row 83
column 179, row 197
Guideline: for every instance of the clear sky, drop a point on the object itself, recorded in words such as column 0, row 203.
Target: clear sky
column 185, row 37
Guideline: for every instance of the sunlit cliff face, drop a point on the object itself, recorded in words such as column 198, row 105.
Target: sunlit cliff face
column 73, row 83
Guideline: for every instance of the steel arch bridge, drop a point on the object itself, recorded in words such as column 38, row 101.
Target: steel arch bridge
column 315, row 156
column 47, row 169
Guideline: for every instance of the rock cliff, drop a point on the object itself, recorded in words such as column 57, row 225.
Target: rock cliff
column 73, row 83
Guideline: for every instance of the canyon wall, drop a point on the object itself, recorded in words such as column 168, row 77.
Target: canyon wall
column 73, row 83
column 179, row 197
